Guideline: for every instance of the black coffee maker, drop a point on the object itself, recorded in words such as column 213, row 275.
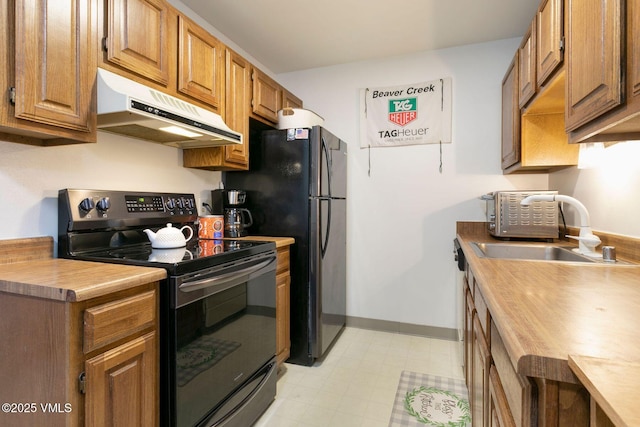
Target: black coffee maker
column 236, row 217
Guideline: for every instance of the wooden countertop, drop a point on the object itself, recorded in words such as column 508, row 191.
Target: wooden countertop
column 27, row 267
column 546, row 311
column 279, row 241
column 613, row 384
column 71, row 280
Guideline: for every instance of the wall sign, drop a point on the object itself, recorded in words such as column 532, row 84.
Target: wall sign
column 418, row 113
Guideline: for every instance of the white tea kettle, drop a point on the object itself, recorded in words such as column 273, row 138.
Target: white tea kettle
column 169, row 237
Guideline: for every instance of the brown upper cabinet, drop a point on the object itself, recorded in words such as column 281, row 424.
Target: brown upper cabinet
column 52, row 52
column 289, row 100
column 137, row 38
column 50, row 80
column 603, row 71
column 267, row 96
column 510, row 116
column 541, row 50
column 200, row 64
column 527, row 66
column 594, row 75
column 549, row 39
column 533, row 136
column 237, row 109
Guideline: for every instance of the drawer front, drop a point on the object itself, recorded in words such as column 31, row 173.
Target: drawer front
column 283, row 260
column 107, row 323
column 517, row 388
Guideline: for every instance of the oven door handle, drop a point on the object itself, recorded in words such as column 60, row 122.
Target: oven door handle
column 230, row 279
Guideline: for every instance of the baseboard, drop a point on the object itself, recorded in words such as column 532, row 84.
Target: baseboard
column 450, row 334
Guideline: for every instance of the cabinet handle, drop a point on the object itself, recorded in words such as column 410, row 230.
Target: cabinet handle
column 82, row 382
column 12, row 95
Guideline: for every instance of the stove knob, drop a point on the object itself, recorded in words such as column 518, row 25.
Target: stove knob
column 180, row 203
column 171, row 204
column 189, row 204
column 87, row 204
column 103, row 204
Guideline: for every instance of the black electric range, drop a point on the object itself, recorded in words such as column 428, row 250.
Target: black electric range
column 217, row 303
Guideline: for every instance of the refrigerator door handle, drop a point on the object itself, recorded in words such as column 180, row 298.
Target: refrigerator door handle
column 325, row 241
column 325, row 149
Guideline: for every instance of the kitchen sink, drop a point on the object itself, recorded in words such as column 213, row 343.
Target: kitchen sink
column 525, row 251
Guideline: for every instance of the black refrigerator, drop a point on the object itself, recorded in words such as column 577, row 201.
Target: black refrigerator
column 297, row 186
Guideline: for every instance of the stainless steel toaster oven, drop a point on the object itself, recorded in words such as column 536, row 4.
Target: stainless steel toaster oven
column 507, row 218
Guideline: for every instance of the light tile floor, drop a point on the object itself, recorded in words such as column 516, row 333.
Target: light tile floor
column 356, row 383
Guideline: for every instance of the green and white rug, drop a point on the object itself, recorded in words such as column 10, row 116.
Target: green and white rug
column 429, row 400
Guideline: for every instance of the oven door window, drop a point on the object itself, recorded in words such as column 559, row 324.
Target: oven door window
column 221, row 340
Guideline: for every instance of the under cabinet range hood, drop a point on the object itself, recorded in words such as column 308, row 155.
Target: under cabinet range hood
column 132, row 109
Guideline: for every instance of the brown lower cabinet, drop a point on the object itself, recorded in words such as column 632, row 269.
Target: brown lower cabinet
column 92, row 362
column 283, row 305
column 499, row 414
column 498, row 394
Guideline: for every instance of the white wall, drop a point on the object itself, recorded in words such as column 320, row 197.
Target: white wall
column 401, row 219
column 30, row 178
column 609, row 190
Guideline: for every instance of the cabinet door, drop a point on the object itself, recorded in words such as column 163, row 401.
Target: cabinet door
column 267, row 99
column 510, row 116
column 499, row 414
column 527, row 66
column 122, row 385
column 594, row 73
column 55, row 64
column 289, row 100
column 468, row 336
column 238, row 85
column 137, row 37
column 549, row 33
column 200, row 63
column 633, row 49
column 480, row 377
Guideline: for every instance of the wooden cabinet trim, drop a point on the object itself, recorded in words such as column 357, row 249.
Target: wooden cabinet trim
column 282, row 263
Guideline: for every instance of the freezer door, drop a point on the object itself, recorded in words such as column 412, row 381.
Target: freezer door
column 328, row 164
column 328, row 289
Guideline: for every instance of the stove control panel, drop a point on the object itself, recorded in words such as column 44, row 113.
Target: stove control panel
column 103, row 209
column 145, row 203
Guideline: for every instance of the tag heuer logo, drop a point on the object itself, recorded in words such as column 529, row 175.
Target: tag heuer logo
column 403, row 111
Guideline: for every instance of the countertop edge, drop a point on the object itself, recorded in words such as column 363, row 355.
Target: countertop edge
column 72, row 280
column 279, row 241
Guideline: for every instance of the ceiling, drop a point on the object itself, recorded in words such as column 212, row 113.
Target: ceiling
column 292, row 35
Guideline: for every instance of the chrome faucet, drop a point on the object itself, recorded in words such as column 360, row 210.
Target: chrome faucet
column 587, row 241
